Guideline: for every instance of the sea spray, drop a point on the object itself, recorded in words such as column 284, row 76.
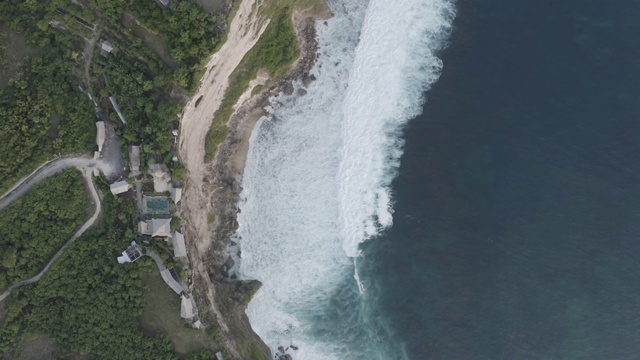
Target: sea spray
column 317, row 175
column 394, row 65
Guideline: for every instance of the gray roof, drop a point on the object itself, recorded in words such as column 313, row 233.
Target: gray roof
column 179, row 247
column 134, row 158
column 173, row 284
column 100, row 134
column 106, row 46
column 161, row 227
column 119, row 187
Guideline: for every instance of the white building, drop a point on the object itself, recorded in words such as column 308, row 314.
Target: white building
column 133, row 253
column 179, row 247
column 176, row 194
column 119, row 187
column 100, row 134
column 161, row 179
column 106, row 46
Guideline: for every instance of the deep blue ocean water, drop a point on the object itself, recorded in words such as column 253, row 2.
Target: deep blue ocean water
column 517, row 207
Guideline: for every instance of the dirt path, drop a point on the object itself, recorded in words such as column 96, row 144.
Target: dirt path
column 87, row 174
column 88, row 56
column 244, row 31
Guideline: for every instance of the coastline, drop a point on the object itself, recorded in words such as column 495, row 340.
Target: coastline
column 215, row 187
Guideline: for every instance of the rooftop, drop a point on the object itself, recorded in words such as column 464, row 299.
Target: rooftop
column 155, row 227
column 134, row 158
column 179, row 247
column 171, row 281
column 119, row 187
column 106, row 46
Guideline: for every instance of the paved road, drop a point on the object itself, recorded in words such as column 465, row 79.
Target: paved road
column 48, row 169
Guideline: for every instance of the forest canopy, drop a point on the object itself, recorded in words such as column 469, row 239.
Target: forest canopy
column 35, row 226
column 47, row 93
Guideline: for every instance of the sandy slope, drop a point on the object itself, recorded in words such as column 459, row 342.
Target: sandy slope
column 244, row 31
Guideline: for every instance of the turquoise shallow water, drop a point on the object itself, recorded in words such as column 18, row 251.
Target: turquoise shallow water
column 516, row 228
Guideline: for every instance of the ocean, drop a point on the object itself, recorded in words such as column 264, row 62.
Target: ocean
column 461, row 182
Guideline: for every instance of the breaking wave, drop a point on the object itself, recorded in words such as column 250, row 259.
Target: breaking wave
column 317, row 177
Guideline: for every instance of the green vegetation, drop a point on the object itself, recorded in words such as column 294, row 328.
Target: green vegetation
column 254, row 352
column 275, row 52
column 211, row 218
column 175, row 223
column 256, row 90
column 38, row 224
column 162, row 313
column 250, row 292
column 88, row 303
column 157, row 59
column 41, row 112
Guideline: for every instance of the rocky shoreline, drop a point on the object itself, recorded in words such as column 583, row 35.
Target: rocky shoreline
column 226, row 171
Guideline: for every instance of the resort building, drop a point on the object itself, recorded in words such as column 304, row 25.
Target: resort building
column 155, row 227
column 179, row 247
column 170, row 280
column 176, row 194
column 133, row 253
column 134, row 158
column 161, row 179
column 105, row 48
column 119, row 187
column 187, row 307
column 100, row 134
column 117, row 109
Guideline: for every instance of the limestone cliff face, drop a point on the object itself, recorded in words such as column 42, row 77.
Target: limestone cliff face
column 219, row 184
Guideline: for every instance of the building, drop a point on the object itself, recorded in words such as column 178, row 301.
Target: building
column 117, row 109
column 179, row 247
column 170, row 280
column 134, row 158
column 155, row 227
column 176, row 194
column 161, row 179
column 187, row 307
column 100, row 134
column 119, row 187
column 133, row 253
column 106, row 46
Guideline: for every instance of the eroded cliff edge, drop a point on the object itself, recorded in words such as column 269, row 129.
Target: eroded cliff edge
column 213, row 188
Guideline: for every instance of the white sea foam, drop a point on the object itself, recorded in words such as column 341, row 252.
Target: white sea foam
column 317, row 178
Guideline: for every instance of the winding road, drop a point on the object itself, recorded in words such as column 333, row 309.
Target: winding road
column 50, row 168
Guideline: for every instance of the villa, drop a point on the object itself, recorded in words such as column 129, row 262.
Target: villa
column 155, row 227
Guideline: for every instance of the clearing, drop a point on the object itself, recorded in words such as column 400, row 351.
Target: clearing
column 162, row 313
